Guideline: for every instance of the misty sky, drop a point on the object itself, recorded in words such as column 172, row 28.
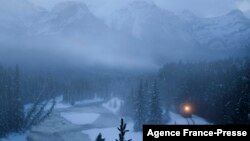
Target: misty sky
column 116, row 49
column 204, row 8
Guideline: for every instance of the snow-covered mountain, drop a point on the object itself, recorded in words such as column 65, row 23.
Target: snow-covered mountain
column 16, row 17
column 228, row 31
column 140, row 31
column 150, row 23
column 141, row 20
column 247, row 13
column 69, row 17
column 147, row 22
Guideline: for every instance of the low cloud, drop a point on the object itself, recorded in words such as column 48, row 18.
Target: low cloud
column 204, row 8
column 244, row 5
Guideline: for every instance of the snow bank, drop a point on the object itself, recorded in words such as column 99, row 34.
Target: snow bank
column 60, row 104
column 89, row 101
column 178, row 119
column 59, row 99
column 113, row 105
column 15, row 137
column 110, row 134
column 80, row 118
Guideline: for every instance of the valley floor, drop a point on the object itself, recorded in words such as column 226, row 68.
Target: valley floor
column 85, row 120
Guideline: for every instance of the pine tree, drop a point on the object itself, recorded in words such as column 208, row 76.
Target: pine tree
column 12, row 112
column 12, row 117
column 146, row 94
column 243, row 109
column 18, row 108
column 242, row 105
column 140, row 111
column 99, row 137
column 123, row 131
column 3, row 113
column 4, row 103
column 128, row 105
column 155, row 107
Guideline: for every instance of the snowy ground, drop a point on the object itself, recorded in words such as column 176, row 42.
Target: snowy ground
column 80, row 118
column 113, row 104
column 110, row 134
column 178, row 119
column 60, row 104
column 67, row 124
column 88, row 101
column 86, row 120
column 15, row 137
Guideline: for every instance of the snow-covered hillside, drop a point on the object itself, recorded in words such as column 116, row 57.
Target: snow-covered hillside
column 146, row 21
column 154, row 26
column 229, row 31
column 69, row 17
column 16, row 17
column 178, row 119
column 142, row 20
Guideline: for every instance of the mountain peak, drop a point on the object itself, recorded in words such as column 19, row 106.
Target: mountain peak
column 22, row 8
column 141, row 4
column 70, row 6
column 236, row 13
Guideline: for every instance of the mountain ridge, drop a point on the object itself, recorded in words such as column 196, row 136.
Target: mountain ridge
column 141, row 32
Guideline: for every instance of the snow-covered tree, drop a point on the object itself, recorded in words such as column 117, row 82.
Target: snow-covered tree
column 11, row 106
column 243, row 104
column 12, row 115
column 155, row 106
column 128, row 106
column 140, row 108
column 122, row 131
column 17, row 104
column 99, row 137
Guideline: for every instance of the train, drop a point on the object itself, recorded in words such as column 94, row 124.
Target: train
column 186, row 110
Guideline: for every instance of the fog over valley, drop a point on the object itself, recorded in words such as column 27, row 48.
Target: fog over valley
column 75, row 70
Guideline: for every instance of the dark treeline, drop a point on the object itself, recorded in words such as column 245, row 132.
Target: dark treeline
column 144, row 105
column 52, row 86
column 101, row 86
column 219, row 90
column 27, row 98
column 75, row 85
column 11, row 108
column 14, row 115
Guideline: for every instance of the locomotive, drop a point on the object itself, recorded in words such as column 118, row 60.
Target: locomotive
column 186, row 110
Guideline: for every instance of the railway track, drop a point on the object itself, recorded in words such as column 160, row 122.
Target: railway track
column 190, row 121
